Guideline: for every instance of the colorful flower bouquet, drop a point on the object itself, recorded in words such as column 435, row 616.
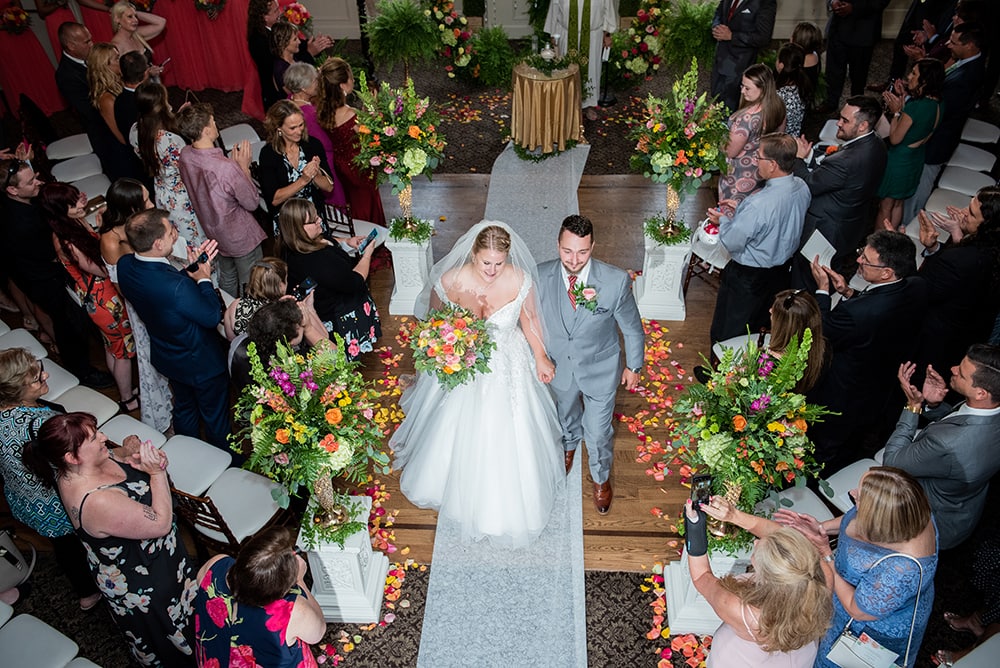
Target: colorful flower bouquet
column 310, row 416
column 747, row 428
column 296, row 14
column 637, row 53
column 14, row 19
column 452, row 344
column 456, row 38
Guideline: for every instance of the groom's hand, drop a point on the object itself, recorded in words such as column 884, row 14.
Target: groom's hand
column 546, row 370
column 630, row 379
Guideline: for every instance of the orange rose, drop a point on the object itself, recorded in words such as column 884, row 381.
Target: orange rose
column 414, row 132
column 460, row 323
column 447, row 349
column 281, row 436
column 801, row 424
column 334, row 416
column 363, row 129
column 329, row 443
column 739, row 423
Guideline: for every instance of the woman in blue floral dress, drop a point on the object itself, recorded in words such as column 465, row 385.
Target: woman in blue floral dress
column 160, row 152
column 122, row 512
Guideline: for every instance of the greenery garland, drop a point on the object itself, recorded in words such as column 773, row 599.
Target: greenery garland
column 547, row 67
column 665, row 231
column 525, row 154
column 415, row 230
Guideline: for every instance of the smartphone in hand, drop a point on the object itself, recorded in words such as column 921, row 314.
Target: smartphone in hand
column 194, row 265
column 303, row 289
column 701, row 490
column 367, row 240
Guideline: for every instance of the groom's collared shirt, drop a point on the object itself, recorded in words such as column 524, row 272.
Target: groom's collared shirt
column 581, row 276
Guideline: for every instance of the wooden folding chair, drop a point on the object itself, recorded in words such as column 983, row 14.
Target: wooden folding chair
column 337, row 220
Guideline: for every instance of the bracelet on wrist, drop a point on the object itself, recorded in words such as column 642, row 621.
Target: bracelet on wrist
column 916, row 410
column 829, row 558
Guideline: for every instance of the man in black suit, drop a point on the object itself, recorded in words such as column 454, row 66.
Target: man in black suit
column 71, row 75
column 740, row 28
column 855, row 26
column 842, row 185
column 869, row 334
column 181, row 311
column 959, row 95
column 135, row 71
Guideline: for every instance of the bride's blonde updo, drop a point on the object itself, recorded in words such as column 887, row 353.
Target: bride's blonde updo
column 492, row 237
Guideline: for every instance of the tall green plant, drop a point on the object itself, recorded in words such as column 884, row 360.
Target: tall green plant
column 493, row 57
column 401, row 33
column 689, row 35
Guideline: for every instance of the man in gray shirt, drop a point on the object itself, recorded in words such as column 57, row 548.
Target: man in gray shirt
column 762, row 236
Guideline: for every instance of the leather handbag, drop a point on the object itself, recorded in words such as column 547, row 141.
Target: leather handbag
column 850, row 651
column 14, row 568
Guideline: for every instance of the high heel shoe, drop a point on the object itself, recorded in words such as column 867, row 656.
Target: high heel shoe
column 123, row 405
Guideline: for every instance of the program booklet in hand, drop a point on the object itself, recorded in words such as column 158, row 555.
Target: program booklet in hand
column 818, row 245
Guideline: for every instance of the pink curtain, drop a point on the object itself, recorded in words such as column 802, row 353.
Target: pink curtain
column 27, row 69
column 205, row 53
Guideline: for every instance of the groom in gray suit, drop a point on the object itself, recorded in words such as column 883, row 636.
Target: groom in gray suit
column 584, row 304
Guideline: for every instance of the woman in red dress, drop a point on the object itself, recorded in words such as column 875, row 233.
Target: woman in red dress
column 55, row 14
column 97, row 17
column 339, row 119
column 26, row 68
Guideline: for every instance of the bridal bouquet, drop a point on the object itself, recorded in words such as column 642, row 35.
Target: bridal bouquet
column 747, row 427
column 310, row 416
column 452, row 344
column 296, row 14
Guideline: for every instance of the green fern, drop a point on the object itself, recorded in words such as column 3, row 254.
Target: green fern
column 401, row 32
column 690, row 33
column 493, row 56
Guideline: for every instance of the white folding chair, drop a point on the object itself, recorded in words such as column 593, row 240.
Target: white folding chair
column 81, row 662
column 846, row 479
column 980, row 132
column 60, row 380
column 69, row 147
column 194, row 464
column 76, row 169
column 737, row 342
column 803, row 500
column 4, row 328
column 942, row 198
column 880, row 456
column 22, row 338
column 86, row 400
column 28, row 641
column 121, row 426
column 964, row 180
column 828, row 134
column 6, row 612
column 984, row 656
column 95, row 185
column 234, row 134
column 972, row 157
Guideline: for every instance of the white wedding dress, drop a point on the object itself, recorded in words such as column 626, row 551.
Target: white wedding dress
column 487, row 454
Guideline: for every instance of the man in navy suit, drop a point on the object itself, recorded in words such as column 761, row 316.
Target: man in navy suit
column 740, row 28
column 869, row 333
column 181, row 311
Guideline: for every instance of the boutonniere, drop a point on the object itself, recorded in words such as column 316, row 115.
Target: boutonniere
column 830, row 150
column 585, row 295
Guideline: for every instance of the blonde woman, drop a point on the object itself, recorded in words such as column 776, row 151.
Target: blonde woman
column 759, row 625
column 133, row 30
column 105, row 81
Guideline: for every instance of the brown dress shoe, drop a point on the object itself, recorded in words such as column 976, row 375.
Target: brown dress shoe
column 569, row 459
column 602, row 497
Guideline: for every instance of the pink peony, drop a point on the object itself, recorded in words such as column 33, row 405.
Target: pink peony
column 217, row 610
column 278, row 612
column 242, row 656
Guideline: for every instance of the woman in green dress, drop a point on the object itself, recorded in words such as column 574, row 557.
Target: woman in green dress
column 914, row 110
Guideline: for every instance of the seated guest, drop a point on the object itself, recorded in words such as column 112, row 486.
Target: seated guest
column 761, row 236
column 340, row 120
column 268, row 283
column 884, row 566
column 342, row 298
column 842, row 185
column 792, row 313
column 135, row 71
column 295, row 323
column 963, row 281
column 223, row 195
column 916, row 109
column 79, row 250
column 292, row 164
column 122, row 512
column 181, row 312
column 953, row 457
column 23, row 382
column 869, row 334
column 759, row 627
column 267, row 613
column 284, row 46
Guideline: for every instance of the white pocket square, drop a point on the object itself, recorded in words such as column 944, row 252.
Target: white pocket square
column 745, row 11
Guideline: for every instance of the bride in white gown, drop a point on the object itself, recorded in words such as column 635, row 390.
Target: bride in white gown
column 487, row 454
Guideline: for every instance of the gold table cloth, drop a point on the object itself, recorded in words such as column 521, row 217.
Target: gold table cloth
column 545, row 109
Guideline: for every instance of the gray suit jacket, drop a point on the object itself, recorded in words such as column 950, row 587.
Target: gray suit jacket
column 954, row 459
column 584, row 345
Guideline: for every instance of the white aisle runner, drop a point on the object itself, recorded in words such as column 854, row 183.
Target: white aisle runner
column 534, row 197
column 490, row 607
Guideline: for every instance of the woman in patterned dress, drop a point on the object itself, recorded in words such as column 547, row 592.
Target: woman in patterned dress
column 78, row 247
column 159, row 148
column 125, row 197
column 121, row 510
column 23, row 381
column 761, row 111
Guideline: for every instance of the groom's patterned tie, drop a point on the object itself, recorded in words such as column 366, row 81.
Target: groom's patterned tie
column 572, row 284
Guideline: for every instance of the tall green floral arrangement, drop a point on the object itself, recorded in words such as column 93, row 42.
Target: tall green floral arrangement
column 747, row 427
column 401, row 32
column 689, row 31
column 638, row 53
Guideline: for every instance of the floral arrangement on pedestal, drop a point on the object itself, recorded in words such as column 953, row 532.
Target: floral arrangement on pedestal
column 398, row 139
column 679, row 141
column 456, row 38
column 747, row 428
column 296, row 14
column 452, row 344
column 14, row 19
column 311, row 418
column 638, row 52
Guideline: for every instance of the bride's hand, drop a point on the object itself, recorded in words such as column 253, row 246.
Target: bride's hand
column 546, row 369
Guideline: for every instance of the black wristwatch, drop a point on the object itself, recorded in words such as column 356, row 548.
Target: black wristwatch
column 637, row 369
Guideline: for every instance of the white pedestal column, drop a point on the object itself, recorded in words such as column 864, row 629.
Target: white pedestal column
column 687, row 610
column 659, row 292
column 411, row 266
column 349, row 581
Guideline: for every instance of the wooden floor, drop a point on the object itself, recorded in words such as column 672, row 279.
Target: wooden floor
column 630, row 537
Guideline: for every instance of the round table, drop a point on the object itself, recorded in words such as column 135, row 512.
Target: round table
column 546, row 108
